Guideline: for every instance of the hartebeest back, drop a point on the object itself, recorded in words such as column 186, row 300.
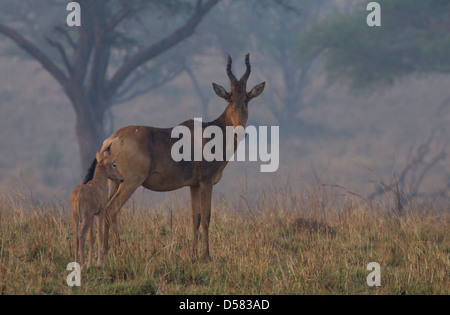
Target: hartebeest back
column 145, row 159
column 89, row 200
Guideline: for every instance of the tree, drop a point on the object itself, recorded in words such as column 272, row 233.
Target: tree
column 277, row 39
column 101, row 56
column 414, row 39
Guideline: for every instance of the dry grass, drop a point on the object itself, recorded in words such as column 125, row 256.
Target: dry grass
column 257, row 248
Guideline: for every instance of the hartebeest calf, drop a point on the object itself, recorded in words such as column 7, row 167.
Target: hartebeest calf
column 89, row 200
column 145, row 159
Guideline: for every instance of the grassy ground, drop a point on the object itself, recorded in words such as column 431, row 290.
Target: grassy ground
column 258, row 248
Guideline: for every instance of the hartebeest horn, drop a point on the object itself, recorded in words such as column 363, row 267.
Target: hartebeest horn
column 231, row 76
column 249, row 69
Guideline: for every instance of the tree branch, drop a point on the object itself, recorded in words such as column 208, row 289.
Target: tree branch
column 63, row 32
column 156, row 49
column 116, row 19
column 130, row 89
column 417, row 169
column 62, row 52
column 36, row 53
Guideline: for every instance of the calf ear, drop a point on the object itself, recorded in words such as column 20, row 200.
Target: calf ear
column 220, row 91
column 98, row 157
column 257, row 90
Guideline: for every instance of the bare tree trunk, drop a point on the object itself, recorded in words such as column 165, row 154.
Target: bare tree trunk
column 89, row 135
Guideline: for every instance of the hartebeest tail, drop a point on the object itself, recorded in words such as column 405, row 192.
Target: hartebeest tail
column 89, row 200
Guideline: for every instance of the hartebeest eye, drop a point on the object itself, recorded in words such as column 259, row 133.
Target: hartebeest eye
column 114, row 165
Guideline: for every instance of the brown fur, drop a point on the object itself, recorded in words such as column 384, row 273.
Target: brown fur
column 145, row 159
column 89, row 200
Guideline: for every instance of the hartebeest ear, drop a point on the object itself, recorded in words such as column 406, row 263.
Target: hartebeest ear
column 257, row 90
column 220, row 91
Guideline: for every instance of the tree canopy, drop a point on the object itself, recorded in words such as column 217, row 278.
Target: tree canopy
column 414, row 39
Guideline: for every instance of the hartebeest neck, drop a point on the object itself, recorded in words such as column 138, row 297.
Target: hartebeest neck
column 231, row 117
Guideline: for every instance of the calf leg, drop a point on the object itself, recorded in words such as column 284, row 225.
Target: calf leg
column 76, row 240
column 75, row 222
column 82, row 240
column 100, row 239
column 91, row 242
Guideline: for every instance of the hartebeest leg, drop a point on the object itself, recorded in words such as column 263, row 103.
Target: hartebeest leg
column 113, row 207
column 196, row 217
column 110, row 222
column 205, row 210
column 115, row 229
column 113, row 187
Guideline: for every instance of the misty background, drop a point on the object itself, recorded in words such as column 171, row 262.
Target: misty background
column 359, row 108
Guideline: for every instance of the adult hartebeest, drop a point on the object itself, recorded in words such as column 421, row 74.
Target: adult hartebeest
column 145, row 159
